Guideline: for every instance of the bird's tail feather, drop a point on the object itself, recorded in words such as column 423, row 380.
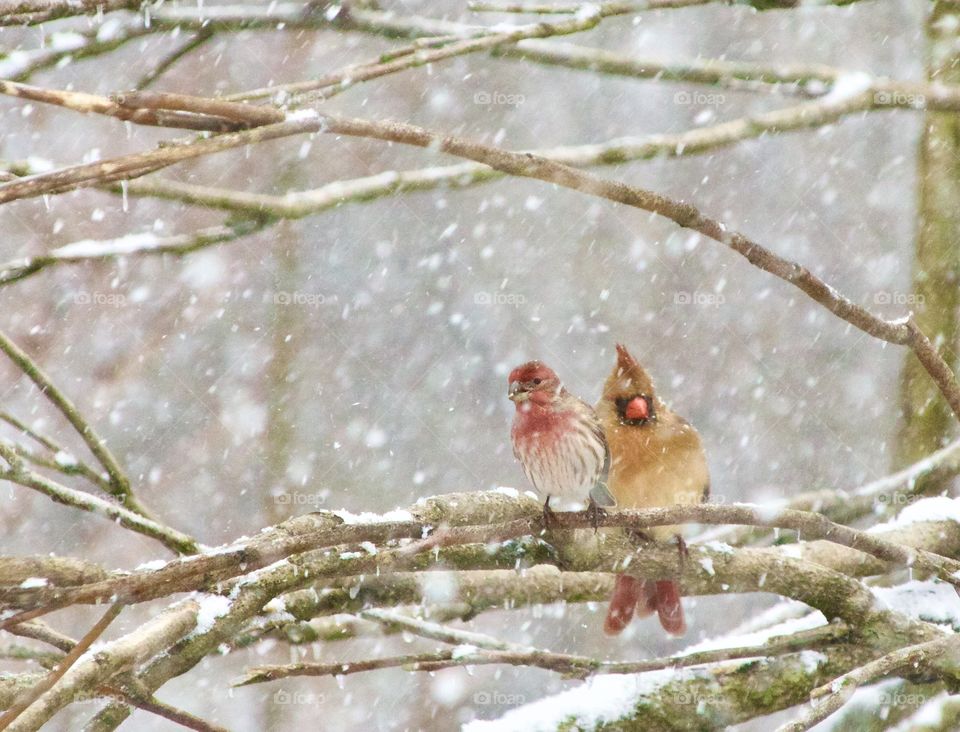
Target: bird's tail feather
column 635, row 596
column 627, row 591
column 670, row 608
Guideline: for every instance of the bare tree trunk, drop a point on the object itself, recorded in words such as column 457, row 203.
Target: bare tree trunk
column 279, row 419
column 927, row 423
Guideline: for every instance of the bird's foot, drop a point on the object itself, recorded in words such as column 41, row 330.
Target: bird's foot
column 550, row 520
column 637, row 536
column 682, row 549
column 595, row 512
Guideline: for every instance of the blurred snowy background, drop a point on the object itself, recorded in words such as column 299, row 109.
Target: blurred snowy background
column 357, row 359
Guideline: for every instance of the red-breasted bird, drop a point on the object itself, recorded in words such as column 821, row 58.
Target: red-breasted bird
column 557, row 439
column 657, row 460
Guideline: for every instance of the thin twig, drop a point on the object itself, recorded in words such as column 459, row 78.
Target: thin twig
column 131, row 245
column 902, row 332
column 340, row 81
column 16, row 12
column 177, row 54
column 22, row 65
column 36, row 436
column 98, row 446
column 127, row 689
column 142, row 699
column 438, row 632
column 471, row 654
column 174, row 540
column 65, row 464
column 844, row 506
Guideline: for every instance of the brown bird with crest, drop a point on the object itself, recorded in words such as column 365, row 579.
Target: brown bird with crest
column 656, row 460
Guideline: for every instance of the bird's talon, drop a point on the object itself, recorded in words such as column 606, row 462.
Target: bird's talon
column 595, row 512
column 550, row 520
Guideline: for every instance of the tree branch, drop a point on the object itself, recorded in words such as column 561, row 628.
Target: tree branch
column 97, row 445
column 130, row 245
column 468, row 654
column 98, row 668
column 174, row 540
column 835, row 694
column 11, row 714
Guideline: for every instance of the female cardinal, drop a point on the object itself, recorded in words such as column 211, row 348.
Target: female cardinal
column 657, row 461
column 557, row 439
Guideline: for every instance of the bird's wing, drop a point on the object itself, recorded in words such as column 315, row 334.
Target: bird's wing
column 600, row 494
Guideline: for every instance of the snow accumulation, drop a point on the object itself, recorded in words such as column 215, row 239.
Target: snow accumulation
column 31, row 582
column 211, row 608
column 938, row 508
column 602, row 698
column 879, row 697
column 151, row 566
column 935, row 602
column 374, row 518
column 15, row 63
column 112, row 247
column 608, row 698
column 848, row 86
column 768, row 510
column 759, row 636
column 65, row 459
column 463, row 650
column 300, row 115
column 718, row 546
column 588, row 11
column 929, row 715
column 66, row 41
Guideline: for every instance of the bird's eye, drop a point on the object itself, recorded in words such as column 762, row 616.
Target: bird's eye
column 537, row 381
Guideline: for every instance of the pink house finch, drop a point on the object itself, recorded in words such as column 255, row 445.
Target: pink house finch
column 657, row 460
column 557, row 439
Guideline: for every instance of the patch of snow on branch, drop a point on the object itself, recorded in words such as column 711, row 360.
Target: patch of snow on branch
column 211, row 608
column 930, row 715
column 782, row 611
column 65, row 460
column 877, row 698
column 600, row 699
column 935, row 602
column 374, row 518
column 113, row 247
column 718, row 546
column 938, row 508
column 151, row 566
column 301, row 115
column 848, row 86
column 758, row 637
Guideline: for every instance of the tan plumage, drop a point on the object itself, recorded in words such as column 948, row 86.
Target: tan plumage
column 656, row 460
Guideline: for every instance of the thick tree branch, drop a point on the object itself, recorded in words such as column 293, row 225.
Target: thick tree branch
column 306, row 541
column 98, row 668
column 834, row 695
column 11, row 714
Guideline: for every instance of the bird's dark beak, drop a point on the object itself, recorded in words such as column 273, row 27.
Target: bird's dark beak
column 516, row 394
